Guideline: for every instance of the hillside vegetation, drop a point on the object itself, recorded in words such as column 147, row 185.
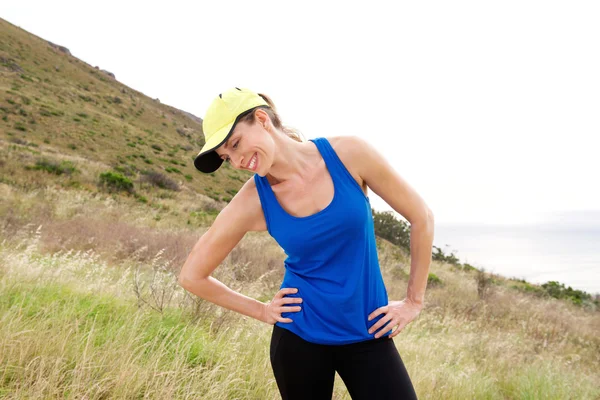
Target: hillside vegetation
column 99, row 208
column 77, row 121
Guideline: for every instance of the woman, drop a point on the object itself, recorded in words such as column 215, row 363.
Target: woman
column 331, row 312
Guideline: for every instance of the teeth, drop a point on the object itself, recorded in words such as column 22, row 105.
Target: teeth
column 253, row 162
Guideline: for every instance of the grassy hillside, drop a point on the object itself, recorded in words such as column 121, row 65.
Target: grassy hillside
column 99, row 208
column 90, row 308
column 59, row 113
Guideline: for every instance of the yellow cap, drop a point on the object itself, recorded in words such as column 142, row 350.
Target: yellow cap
column 220, row 119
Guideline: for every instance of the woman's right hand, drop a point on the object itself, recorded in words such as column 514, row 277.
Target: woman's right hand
column 273, row 309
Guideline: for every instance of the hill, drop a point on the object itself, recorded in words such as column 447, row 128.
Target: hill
column 58, row 110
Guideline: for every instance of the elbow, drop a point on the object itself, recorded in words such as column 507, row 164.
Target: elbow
column 187, row 282
column 426, row 217
column 430, row 217
column 426, row 220
column 430, row 220
column 182, row 280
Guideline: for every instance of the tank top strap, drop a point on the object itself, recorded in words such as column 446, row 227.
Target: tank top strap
column 337, row 169
column 267, row 198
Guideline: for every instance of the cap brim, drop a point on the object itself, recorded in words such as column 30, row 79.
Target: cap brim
column 208, row 160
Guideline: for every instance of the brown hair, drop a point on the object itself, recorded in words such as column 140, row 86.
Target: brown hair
column 275, row 119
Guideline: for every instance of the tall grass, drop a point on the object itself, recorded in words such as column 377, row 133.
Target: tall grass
column 76, row 322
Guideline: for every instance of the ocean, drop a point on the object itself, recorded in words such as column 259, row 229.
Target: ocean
column 565, row 252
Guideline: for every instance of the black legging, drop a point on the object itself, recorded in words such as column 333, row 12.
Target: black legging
column 371, row 369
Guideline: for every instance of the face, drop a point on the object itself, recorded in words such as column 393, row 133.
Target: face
column 249, row 147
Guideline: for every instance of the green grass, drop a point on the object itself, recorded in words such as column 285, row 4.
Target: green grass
column 57, row 340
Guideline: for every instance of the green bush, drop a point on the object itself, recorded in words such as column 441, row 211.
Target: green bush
column 127, row 169
column 54, row 167
column 559, row 291
column 114, row 181
column 388, row 227
column 433, row 280
column 140, row 198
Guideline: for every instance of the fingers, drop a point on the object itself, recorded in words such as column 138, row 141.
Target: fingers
column 380, row 310
column 276, row 306
column 285, row 291
column 396, row 332
column 290, row 309
column 383, row 321
column 288, row 300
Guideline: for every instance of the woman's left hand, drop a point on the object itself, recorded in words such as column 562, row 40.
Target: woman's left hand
column 399, row 313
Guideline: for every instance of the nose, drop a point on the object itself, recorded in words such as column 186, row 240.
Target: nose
column 237, row 161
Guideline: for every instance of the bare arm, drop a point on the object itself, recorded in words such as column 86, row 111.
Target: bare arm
column 400, row 195
column 242, row 214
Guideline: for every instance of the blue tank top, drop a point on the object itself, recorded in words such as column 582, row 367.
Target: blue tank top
column 331, row 259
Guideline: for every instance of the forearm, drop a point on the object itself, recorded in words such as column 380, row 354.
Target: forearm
column 421, row 243
column 216, row 292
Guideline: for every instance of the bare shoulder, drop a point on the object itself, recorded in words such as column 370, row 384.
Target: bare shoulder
column 246, row 209
column 346, row 144
column 376, row 172
column 348, row 149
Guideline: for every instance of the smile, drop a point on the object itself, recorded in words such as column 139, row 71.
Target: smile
column 252, row 163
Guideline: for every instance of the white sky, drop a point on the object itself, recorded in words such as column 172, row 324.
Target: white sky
column 491, row 111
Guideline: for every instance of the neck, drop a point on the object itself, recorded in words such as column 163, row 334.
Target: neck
column 294, row 161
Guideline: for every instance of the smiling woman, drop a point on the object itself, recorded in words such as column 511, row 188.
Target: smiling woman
column 222, row 137
column 311, row 196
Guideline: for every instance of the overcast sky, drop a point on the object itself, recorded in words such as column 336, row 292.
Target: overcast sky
column 490, row 110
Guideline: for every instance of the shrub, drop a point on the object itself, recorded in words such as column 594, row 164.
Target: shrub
column 159, row 180
column 389, row 228
column 433, row 280
column 54, row 167
column 559, row 291
column 483, row 283
column 115, row 181
column 127, row 169
column 468, row 267
column 18, row 141
column 140, row 198
column 438, row 255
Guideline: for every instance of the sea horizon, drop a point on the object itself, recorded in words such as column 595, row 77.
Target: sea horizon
column 562, row 249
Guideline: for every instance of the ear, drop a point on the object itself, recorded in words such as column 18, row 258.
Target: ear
column 262, row 117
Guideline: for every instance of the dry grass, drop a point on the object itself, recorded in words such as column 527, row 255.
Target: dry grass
column 72, row 323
